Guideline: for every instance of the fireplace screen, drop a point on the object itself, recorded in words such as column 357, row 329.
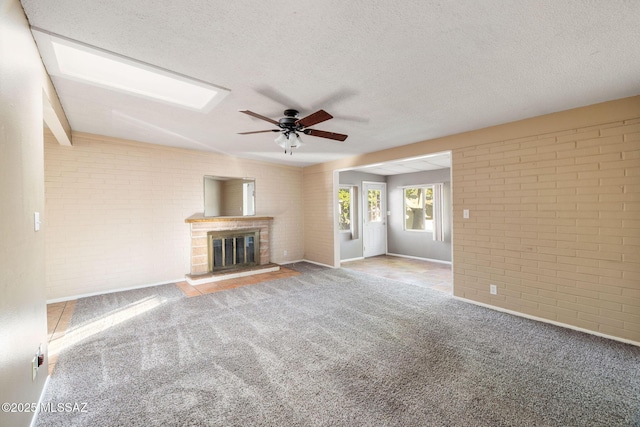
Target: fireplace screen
column 233, row 249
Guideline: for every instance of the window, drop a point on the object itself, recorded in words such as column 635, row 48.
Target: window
column 423, row 209
column 418, row 208
column 345, row 217
column 374, row 206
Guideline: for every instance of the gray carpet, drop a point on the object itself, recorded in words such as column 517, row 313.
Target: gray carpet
column 333, row 348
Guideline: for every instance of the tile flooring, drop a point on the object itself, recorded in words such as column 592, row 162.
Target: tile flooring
column 222, row 285
column 58, row 317
column 417, row 272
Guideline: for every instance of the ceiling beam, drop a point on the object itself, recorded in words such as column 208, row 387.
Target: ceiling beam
column 53, row 113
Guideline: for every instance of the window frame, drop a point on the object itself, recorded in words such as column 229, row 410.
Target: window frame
column 424, row 187
column 351, row 210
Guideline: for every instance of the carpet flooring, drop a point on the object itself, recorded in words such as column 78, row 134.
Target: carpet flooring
column 331, row 348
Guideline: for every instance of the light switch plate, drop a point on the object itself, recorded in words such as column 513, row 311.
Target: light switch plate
column 36, row 221
column 465, row 214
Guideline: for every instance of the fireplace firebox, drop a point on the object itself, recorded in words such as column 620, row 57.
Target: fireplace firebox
column 233, row 249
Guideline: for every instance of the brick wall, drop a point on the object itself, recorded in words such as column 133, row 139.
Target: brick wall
column 555, row 214
column 319, row 216
column 115, row 211
column 555, row 224
column 232, row 197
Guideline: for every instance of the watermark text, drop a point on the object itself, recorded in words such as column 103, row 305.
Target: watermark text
column 73, row 407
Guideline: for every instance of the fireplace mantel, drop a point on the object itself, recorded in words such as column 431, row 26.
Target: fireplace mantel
column 199, row 217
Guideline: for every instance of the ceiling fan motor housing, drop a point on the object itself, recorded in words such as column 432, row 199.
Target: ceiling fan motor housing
column 289, row 121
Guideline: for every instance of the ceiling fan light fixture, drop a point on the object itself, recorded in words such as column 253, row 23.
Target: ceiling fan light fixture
column 281, row 140
column 295, row 140
column 288, row 141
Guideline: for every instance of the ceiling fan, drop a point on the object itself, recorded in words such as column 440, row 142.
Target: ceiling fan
column 290, row 126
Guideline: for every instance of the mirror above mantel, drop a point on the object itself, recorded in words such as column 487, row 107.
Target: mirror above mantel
column 229, row 196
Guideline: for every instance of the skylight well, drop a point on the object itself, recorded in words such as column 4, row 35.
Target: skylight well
column 76, row 61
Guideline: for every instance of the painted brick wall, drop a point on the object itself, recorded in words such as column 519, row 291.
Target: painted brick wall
column 115, row 211
column 555, row 214
column 232, row 198
column 555, row 224
column 319, row 216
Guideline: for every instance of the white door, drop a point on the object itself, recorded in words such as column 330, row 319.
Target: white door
column 375, row 219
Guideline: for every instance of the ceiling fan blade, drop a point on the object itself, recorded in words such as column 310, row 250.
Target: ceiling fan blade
column 258, row 116
column 325, row 134
column 314, row 118
column 258, row 131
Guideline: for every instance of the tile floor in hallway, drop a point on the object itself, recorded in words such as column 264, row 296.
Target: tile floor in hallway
column 418, row 272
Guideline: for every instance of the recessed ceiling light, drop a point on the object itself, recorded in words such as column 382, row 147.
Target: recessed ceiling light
column 77, row 61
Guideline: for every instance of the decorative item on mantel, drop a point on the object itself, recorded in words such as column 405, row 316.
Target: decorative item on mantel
column 227, row 247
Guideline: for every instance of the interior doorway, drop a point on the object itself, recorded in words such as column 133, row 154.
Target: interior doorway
column 429, row 240
column 375, row 230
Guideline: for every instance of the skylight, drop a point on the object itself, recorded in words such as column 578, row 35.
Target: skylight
column 76, row 61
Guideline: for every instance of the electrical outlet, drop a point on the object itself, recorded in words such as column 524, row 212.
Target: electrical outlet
column 493, row 289
column 465, row 213
column 285, row 252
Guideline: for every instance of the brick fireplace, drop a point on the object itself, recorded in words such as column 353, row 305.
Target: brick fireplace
column 226, row 244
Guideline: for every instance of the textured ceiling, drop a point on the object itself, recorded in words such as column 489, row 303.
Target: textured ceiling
column 402, row 166
column 390, row 73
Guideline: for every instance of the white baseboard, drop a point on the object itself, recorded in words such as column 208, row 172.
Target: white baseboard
column 317, row 263
column 439, row 261
column 110, row 291
column 351, row 259
column 290, row 262
column 44, row 389
column 552, row 322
